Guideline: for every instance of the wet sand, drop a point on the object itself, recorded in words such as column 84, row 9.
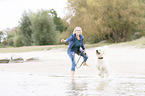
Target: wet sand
column 52, row 73
column 121, row 60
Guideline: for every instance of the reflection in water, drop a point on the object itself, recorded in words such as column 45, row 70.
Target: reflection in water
column 76, row 88
column 81, row 86
column 73, row 89
column 53, row 85
column 99, row 87
column 102, row 85
column 87, row 86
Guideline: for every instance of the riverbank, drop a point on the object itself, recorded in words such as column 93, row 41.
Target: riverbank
column 51, row 76
column 122, row 60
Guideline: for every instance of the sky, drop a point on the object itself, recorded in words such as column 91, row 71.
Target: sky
column 11, row 10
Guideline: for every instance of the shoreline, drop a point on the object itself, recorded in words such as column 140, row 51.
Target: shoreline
column 122, row 61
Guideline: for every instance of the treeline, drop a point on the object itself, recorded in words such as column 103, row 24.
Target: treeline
column 111, row 20
column 36, row 28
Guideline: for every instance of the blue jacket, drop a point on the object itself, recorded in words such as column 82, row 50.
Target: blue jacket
column 71, row 41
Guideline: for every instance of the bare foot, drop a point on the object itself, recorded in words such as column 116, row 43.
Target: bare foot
column 84, row 64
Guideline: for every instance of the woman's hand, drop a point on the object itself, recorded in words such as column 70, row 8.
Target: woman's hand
column 85, row 51
column 63, row 41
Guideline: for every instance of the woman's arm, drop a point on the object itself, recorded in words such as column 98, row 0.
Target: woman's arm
column 63, row 41
column 85, row 51
column 83, row 47
column 67, row 40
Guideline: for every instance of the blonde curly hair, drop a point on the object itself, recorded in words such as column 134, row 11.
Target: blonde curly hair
column 77, row 29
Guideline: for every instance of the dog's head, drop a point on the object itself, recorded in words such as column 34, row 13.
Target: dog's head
column 99, row 51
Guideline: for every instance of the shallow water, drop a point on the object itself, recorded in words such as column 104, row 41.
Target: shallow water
column 121, row 86
column 12, row 84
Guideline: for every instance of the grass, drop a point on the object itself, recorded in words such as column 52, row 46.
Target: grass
column 140, row 43
column 96, row 45
column 29, row 48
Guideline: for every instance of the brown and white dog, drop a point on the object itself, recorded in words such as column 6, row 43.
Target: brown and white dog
column 102, row 62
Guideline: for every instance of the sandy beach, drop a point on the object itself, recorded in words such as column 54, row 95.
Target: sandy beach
column 121, row 60
column 50, row 75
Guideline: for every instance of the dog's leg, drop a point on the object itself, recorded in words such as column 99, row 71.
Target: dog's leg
column 103, row 72
column 107, row 72
column 99, row 69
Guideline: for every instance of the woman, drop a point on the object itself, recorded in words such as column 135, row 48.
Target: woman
column 76, row 46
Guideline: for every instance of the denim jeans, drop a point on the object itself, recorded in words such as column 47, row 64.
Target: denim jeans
column 72, row 57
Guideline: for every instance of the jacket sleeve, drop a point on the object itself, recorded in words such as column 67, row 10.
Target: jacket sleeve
column 83, row 47
column 69, row 39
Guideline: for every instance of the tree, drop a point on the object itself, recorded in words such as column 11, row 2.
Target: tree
column 5, row 42
column 1, row 35
column 18, row 40
column 115, row 20
column 43, row 28
column 25, row 28
column 57, row 21
column 10, row 38
column 14, row 37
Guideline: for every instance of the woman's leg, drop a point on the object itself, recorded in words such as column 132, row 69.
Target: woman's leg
column 72, row 74
column 72, row 57
column 85, row 57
